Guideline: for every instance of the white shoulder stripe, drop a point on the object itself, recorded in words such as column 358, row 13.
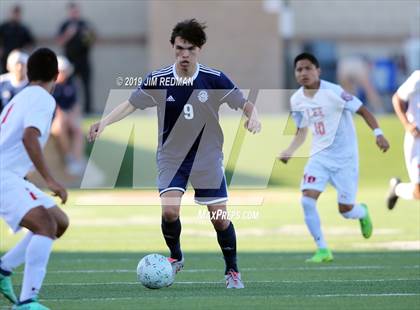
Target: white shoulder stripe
column 161, row 70
column 162, row 74
column 210, row 72
column 209, row 69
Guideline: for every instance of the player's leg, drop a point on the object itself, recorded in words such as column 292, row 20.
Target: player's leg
column 60, row 218
column 345, row 180
column 44, row 229
column 37, row 212
column 172, row 185
column 226, row 237
column 313, row 222
column 17, row 199
column 358, row 211
column 211, row 190
column 407, row 191
column 8, row 262
column 171, row 223
column 313, row 183
column 16, row 256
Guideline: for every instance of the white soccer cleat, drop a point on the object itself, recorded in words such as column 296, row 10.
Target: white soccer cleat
column 233, row 280
column 177, row 265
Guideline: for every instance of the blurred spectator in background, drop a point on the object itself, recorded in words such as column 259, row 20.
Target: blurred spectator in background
column 77, row 37
column 15, row 80
column 66, row 126
column 14, row 35
column 353, row 74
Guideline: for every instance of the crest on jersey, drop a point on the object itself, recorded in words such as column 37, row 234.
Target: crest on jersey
column 346, row 96
column 203, row 96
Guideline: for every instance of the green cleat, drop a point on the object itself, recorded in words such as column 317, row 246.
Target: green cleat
column 30, row 304
column 321, row 256
column 366, row 224
column 6, row 288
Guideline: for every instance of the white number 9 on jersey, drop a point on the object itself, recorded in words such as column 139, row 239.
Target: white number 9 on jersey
column 188, row 111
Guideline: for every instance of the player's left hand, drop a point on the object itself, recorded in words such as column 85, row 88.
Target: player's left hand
column 253, row 125
column 382, row 143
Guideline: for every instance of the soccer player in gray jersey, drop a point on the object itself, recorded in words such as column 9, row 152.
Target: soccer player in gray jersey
column 188, row 96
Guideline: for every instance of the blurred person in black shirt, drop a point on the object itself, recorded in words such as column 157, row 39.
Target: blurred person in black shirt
column 14, row 35
column 76, row 36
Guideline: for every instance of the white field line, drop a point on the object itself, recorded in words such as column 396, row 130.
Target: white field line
column 221, row 281
column 242, row 269
column 195, row 297
column 289, row 256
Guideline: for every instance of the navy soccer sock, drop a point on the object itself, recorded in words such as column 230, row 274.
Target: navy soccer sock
column 171, row 232
column 227, row 242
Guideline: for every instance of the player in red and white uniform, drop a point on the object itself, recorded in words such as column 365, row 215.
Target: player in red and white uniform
column 24, row 130
column 327, row 110
column 406, row 103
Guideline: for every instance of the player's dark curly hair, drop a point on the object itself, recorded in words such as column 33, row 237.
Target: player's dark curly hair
column 190, row 30
column 42, row 65
column 307, row 56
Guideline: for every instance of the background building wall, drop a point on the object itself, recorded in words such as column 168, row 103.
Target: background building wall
column 242, row 38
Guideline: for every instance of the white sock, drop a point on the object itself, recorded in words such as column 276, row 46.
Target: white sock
column 37, row 255
column 312, row 221
column 405, row 191
column 357, row 212
column 16, row 256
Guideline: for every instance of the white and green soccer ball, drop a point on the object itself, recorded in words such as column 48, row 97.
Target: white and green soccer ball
column 155, row 271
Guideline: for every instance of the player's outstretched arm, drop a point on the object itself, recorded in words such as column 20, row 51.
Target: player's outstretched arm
column 120, row 112
column 400, row 107
column 32, row 146
column 381, row 141
column 252, row 124
column 297, row 141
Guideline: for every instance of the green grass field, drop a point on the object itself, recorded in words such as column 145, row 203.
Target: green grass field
column 93, row 265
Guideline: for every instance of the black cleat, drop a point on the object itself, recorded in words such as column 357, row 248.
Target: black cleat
column 392, row 196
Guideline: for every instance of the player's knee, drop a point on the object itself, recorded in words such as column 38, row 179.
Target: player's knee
column 170, row 214
column 311, row 194
column 47, row 227
column 308, row 204
column 40, row 222
column 62, row 225
column 342, row 208
column 416, row 192
column 220, row 224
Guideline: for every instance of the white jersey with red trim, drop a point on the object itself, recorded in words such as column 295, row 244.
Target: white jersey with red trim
column 32, row 107
column 409, row 91
column 329, row 116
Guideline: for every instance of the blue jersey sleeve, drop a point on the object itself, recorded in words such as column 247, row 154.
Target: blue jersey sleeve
column 233, row 96
column 145, row 96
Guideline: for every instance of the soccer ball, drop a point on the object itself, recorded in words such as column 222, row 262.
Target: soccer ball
column 154, row 271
